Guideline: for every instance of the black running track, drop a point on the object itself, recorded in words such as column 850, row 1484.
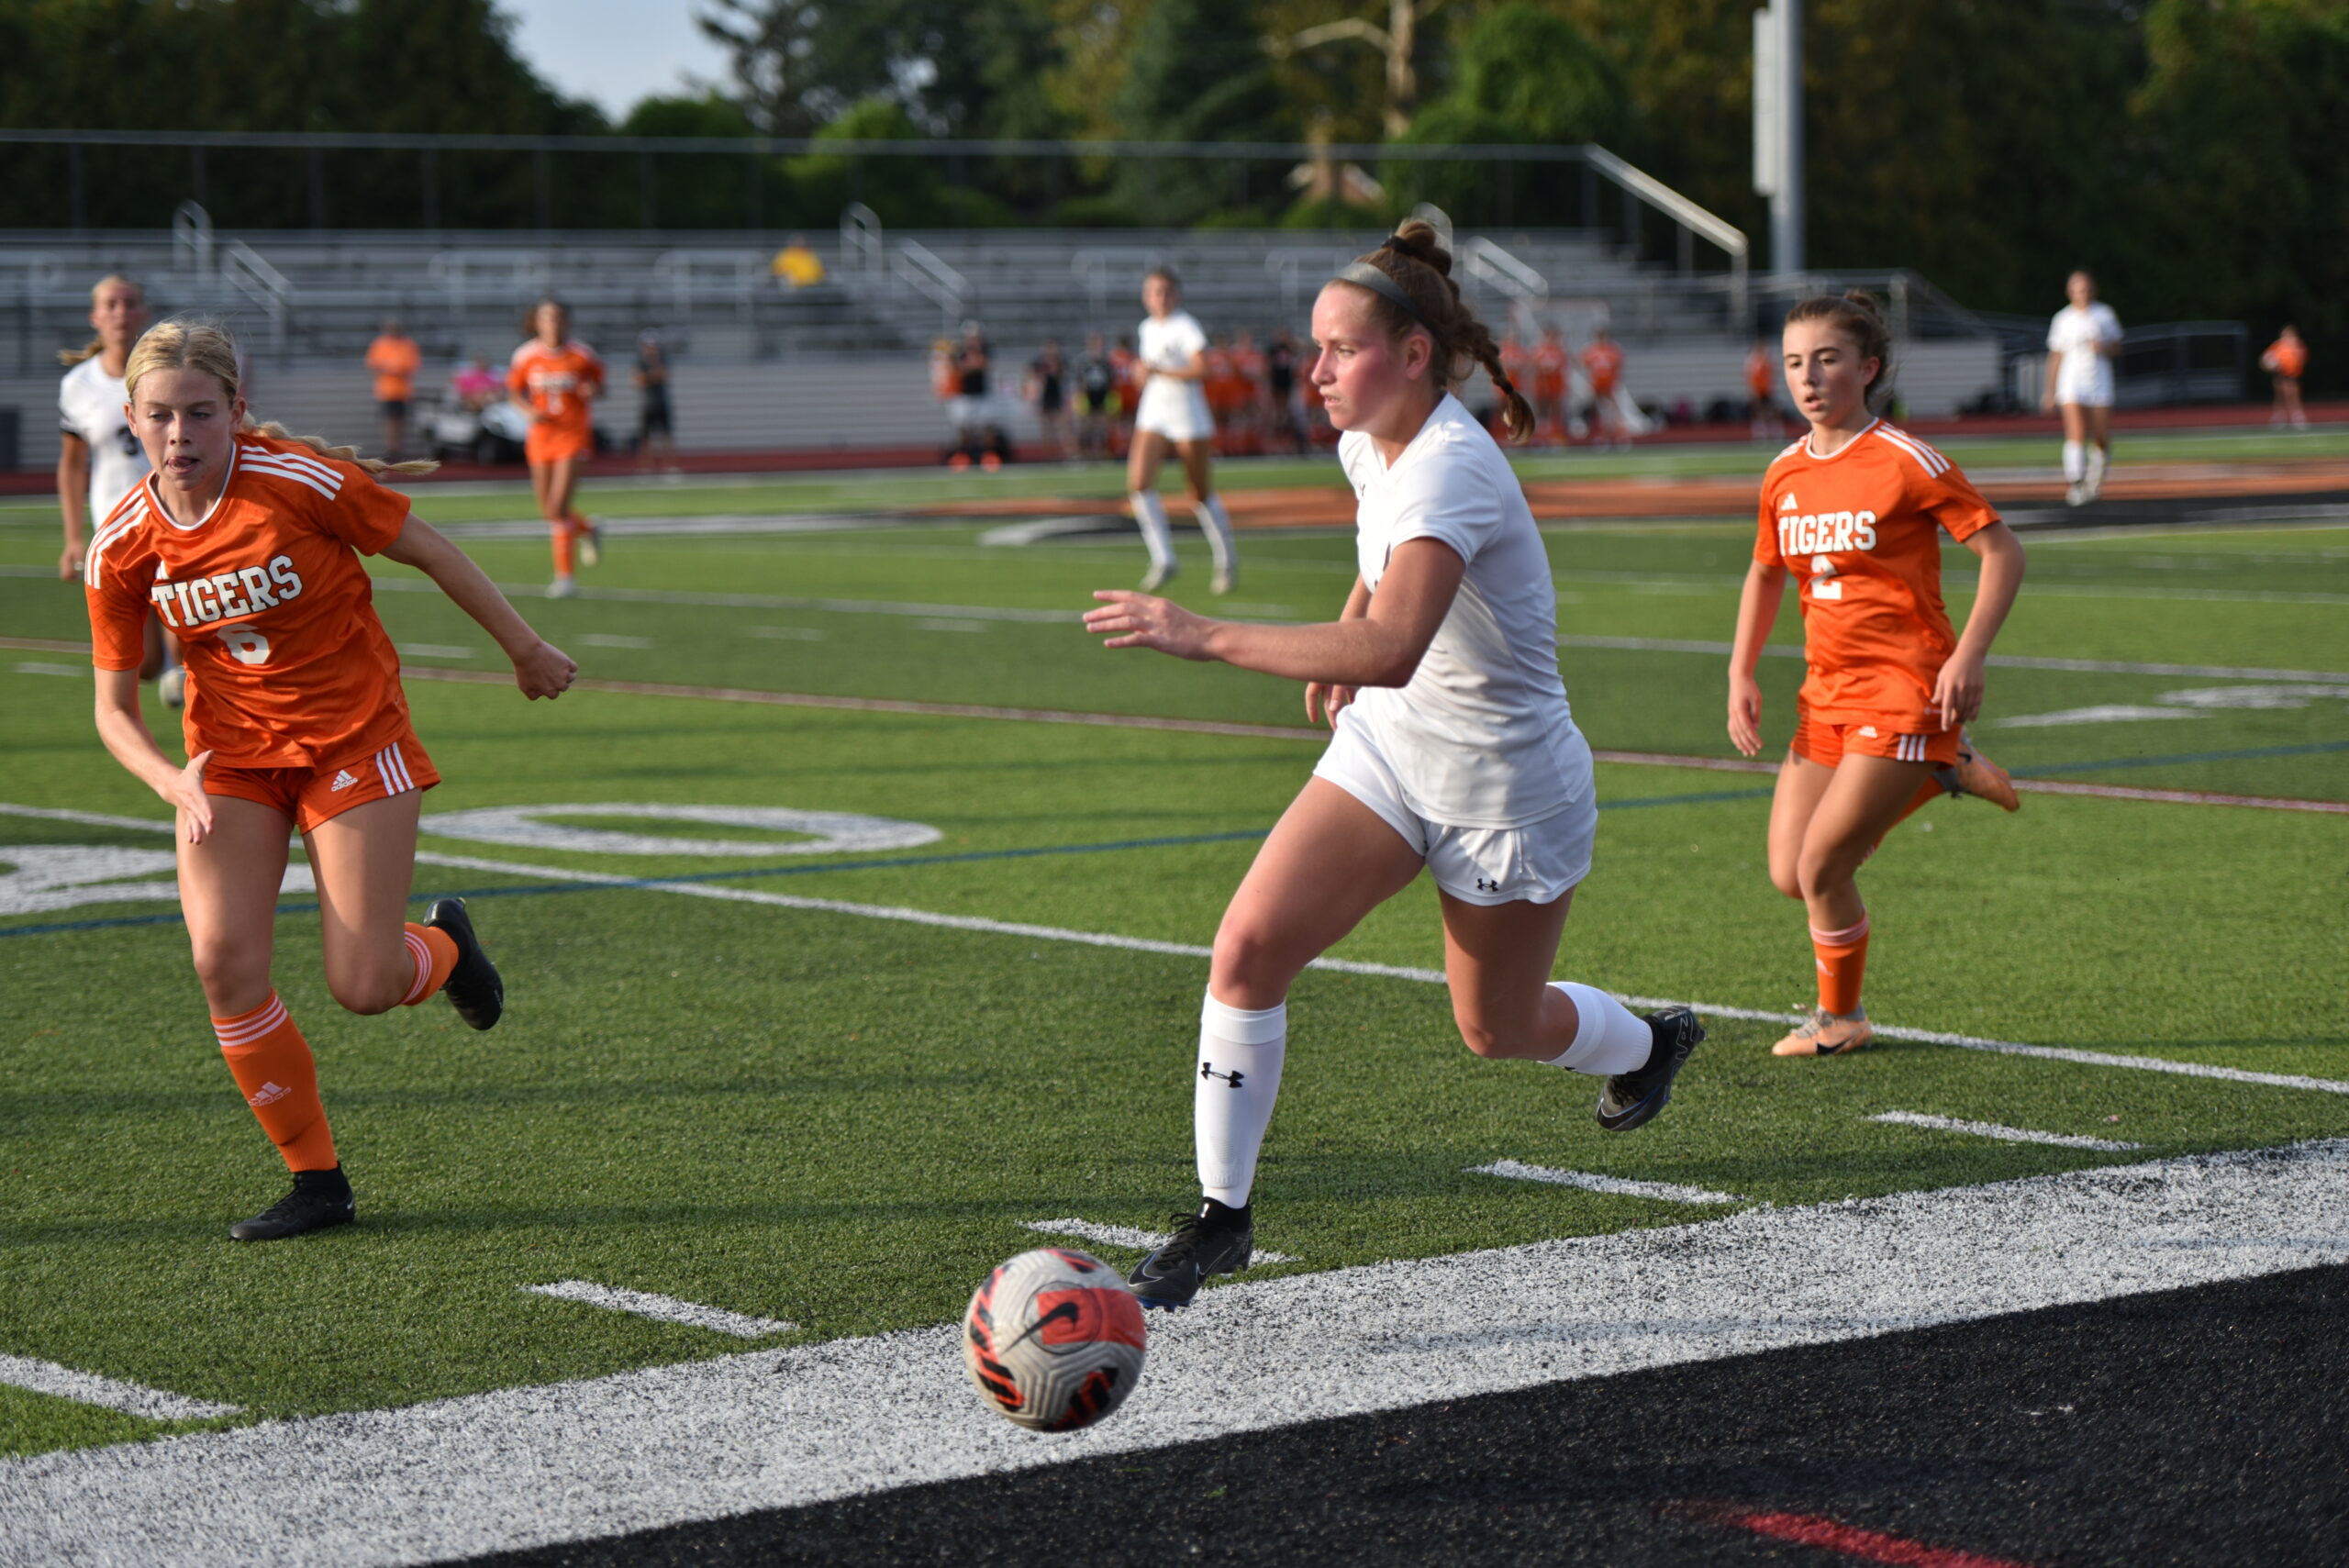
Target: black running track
column 2205, row 1426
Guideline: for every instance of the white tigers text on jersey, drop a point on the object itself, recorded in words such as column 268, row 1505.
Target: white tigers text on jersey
column 89, row 405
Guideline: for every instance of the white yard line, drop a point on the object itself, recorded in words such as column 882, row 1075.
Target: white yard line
column 533, row 1467
column 89, row 1388
column 1126, row 1236
column 2004, row 1134
column 1618, row 1187
column 667, row 1309
column 2002, row 661
column 1192, row 950
column 763, row 602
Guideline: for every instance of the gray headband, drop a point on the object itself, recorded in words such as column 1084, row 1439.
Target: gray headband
column 1367, row 276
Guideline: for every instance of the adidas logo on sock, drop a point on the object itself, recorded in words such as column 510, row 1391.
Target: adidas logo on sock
column 268, row 1094
column 342, row 780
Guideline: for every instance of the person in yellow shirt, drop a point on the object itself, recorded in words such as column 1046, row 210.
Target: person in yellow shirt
column 798, row 266
column 395, row 358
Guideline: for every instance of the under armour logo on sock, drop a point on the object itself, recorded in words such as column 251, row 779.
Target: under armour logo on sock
column 1234, row 1077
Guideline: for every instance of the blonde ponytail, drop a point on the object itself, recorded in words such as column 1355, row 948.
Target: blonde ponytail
column 203, row 346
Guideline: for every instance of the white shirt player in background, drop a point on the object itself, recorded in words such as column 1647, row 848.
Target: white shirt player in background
column 1173, row 414
column 98, row 459
column 1453, row 751
column 2082, row 342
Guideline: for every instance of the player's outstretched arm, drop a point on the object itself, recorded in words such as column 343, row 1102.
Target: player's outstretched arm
column 125, row 735
column 540, row 669
column 1757, row 612
column 1382, row 649
column 1957, row 689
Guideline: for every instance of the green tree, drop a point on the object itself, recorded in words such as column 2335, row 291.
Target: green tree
column 1522, row 74
column 1198, row 71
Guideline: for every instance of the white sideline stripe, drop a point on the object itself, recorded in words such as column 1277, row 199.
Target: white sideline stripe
column 2005, row 1134
column 524, row 1468
column 1192, row 950
column 667, row 1309
column 765, row 601
column 2001, row 660
column 1126, row 1236
column 89, row 1388
column 1619, row 1186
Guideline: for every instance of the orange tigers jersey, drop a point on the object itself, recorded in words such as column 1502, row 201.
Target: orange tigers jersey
column 1861, row 533
column 288, row 665
column 1603, row 363
column 1550, row 362
column 558, row 384
column 2286, row 359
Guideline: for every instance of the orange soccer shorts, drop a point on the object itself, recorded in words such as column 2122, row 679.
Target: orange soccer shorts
column 552, row 443
column 312, row 796
column 1827, row 744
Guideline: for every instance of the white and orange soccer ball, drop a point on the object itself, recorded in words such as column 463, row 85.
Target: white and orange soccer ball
column 1053, row 1339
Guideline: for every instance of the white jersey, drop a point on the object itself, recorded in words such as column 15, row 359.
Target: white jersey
column 2084, row 375
column 1482, row 736
column 89, row 405
column 1171, row 408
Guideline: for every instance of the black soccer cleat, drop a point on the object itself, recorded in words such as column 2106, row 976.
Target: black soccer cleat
column 1216, row 1240
column 474, row 987
column 1631, row 1099
column 320, row 1200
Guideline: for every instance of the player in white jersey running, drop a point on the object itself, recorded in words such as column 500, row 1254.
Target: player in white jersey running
column 2082, row 342
column 98, row 459
column 1455, row 750
column 1174, row 415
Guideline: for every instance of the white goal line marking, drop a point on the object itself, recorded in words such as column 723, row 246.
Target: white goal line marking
column 522, row 1468
column 1194, row 950
column 2005, row 1134
column 113, row 1393
column 1126, row 1236
column 667, row 1309
column 1618, row 1187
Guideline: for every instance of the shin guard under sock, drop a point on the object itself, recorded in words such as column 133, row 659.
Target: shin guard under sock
column 271, row 1064
column 1842, row 962
column 1609, row 1037
column 1150, row 513
column 1231, row 1098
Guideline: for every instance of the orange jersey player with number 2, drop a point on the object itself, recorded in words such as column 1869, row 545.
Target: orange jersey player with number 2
column 555, row 379
column 246, row 543
column 1854, row 512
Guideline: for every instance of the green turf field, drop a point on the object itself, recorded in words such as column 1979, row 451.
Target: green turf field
column 841, row 1116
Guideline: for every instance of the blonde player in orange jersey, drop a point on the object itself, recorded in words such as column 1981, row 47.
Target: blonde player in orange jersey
column 555, row 379
column 246, row 541
column 1855, row 511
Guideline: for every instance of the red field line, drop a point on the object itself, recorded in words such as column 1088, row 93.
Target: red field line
column 1218, row 727
column 1809, row 1529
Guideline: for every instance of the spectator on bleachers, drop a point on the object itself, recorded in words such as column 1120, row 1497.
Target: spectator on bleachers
column 1248, row 369
column 1097, row 397
column 1281, row 383
column 653, row 419
column 1128, row 366
column 1046, row 387
column 1762, row 377
column 473, row 386
column 2284, row 361
column 1551, row 361
column 395, row 358
column 978, row 434
column 797, row 265
column 1602, row 363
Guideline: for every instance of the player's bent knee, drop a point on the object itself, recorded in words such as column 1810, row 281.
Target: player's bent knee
column 371, row 990
column 1248, row 959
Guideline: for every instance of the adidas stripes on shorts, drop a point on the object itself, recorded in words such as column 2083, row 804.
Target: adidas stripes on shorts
column 312, row 796
column 1827, row 744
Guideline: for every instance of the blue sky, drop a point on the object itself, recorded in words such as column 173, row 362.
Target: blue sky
column 613, row 51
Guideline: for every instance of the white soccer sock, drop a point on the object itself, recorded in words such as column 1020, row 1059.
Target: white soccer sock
column 1150, row 513
column 2096, row 465
column 1609, row 1038
column 2075, row 461
column 1231, row 1098
column 1215, row 523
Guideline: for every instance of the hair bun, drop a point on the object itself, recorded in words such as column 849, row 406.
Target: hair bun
column 1416, row 238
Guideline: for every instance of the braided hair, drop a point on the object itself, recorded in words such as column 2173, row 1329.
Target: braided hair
column 1421, row 269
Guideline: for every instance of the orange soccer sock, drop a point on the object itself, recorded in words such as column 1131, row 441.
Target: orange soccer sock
column 434, row 953
column 272, row 1066
column 565, row 538
column 1842, row 960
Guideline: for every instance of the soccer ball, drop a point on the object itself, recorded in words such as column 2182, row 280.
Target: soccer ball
column 1053, row 1339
